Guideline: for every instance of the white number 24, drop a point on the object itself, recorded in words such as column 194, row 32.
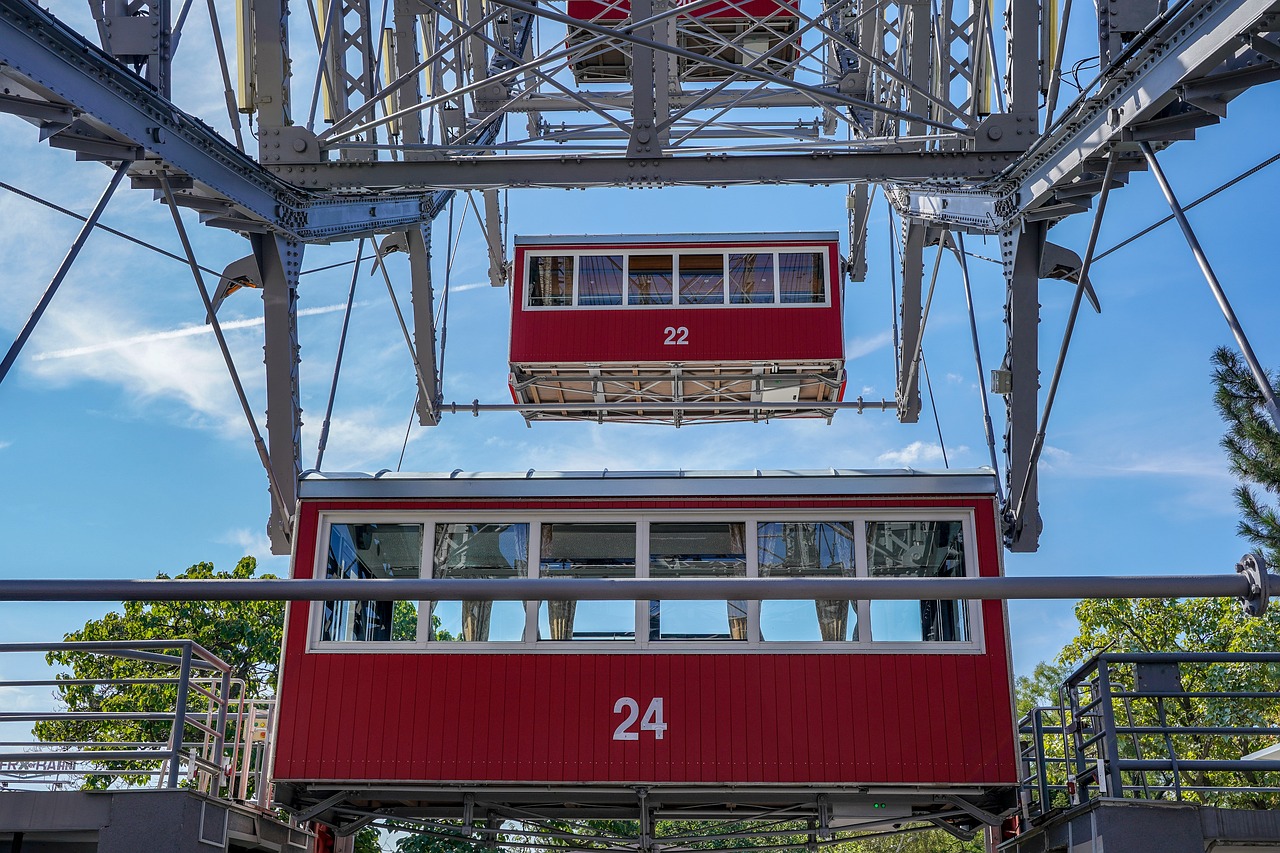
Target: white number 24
column 651, row 722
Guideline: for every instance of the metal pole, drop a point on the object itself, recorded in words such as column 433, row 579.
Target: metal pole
column 475, row 407
column 977, row 359
column 1037, row 444
column 337, row 366
column 180, row 715
column 629, row 589
column 277, row 496
column 1259, row 375
column 65, row 267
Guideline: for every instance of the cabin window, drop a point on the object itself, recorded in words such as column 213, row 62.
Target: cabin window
column 358, row 551
column 480, row 551
column 807, row 549
column 921, row 549
column 708, row 549
column 575, row 550
column 800, row 277
column 649, row 279
column 600, row 280
column 751, row 278
column 702, row 279
column 551, row 280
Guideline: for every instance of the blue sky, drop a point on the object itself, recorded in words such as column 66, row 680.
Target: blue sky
column 123, row 452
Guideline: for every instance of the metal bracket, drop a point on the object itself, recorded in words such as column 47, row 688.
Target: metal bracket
column 1254, row 568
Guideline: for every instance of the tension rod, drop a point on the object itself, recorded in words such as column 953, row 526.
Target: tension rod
column 1259, row 375
column 65, row 267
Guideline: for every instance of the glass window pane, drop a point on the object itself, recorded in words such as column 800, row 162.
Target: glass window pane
column 480, row 551
column 807, row 549
column 600, row 280
column 917, row 549
column 751, row 278
column 372, row 551
column 649, row 279
column 702, row 279
column 550, row 280
column 706, row 549
column 587, row 551
column 800, row 276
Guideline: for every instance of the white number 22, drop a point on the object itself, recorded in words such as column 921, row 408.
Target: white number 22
column 676, row 336
column 651, row 722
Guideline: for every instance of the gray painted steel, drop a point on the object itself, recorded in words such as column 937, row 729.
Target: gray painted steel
column 531, row 484
column 525, row 589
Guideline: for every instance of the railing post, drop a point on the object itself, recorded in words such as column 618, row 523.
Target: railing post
column 180, row 716
column 220, row 727
column 1110, row 757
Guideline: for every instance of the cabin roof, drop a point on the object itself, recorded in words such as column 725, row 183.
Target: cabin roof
column 674, row 483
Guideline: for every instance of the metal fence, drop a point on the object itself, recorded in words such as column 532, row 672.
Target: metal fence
column 186, row 723
column 1200, row 727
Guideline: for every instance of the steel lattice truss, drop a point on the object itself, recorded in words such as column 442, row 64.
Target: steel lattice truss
column 952, row 108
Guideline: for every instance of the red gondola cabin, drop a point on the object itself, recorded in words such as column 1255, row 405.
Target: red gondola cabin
column 901, row 706
column 617, row 326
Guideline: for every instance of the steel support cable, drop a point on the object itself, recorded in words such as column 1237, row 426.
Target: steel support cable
column 933, row 404
column 228, row 90
column 337, row 364
column 108, row 229
column 322, row 68
column 988, row 429
column 631, row 589
column 1259, row 375
column 1248, row 173
column 1037, row 443
column 423, row 385
column 277, row 496
column 63, row 268
column 917, row 349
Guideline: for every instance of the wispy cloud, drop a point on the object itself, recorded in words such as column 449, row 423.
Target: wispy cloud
column 175, row 334
column 858, row 347
column 912, row 455
column 5, row 445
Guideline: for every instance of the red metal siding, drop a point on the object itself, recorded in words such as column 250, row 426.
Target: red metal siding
column 636, row 334
column 852, row 718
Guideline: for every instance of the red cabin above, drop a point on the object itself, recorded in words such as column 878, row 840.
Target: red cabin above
column 741, row 32
column 677, row 328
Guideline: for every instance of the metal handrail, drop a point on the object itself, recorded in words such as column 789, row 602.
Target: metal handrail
column 227, row 756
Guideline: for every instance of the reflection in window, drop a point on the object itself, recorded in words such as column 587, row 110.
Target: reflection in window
column 800, row 276
column 702, row 279
column 649, row 279
column 587, row 551
column 600, row 280
column 550, row 280
column 751, row 278
column 481, row 551
column 807, row 549
column 706, row 549
column 918, row 549
column 359, row 551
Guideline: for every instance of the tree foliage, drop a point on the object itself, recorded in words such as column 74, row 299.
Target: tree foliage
column 245, row 634
column 1253, row 448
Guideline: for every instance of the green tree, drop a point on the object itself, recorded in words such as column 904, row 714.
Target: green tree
column 1253, row 448
column 245, row 634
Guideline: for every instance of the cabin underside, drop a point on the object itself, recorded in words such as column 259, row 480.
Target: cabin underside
column 677, row 393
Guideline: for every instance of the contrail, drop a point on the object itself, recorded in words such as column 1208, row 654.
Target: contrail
column 183, row 332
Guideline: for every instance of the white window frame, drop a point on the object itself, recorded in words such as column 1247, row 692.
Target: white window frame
column 865, row 644
column 775, row 249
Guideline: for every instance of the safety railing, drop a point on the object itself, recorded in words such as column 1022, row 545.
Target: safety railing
column 1200, row 727
column 165, row 713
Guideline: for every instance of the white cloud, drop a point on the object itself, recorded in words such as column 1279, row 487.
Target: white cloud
column 912, row 455
column 858, row 347
column 174, row 334
column 5, row 445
